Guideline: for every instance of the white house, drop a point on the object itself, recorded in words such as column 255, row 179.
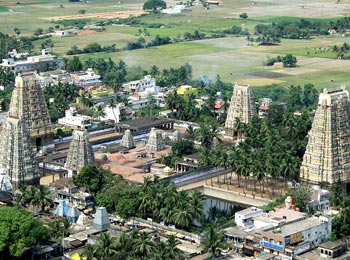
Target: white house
column 136, row 101
column 145, row 86
column 75, row 120
column 245, row 218
column 42, row 62
column 87, row 78
column 178, row 9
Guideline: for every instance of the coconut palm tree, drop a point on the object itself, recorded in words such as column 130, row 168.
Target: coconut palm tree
column 90, row 252
column 173, row 251
column 205, row 157
column 213, row 240
column 143, row 245
column 106, row 246
column 183, row 215
column 196, row 205
column 43, row 197
column 99, row 112
column 112, row 104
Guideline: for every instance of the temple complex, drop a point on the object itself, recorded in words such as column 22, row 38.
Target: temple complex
column 176, row 136
column 155, row 141
column 80, row 152
column 242, row 106
column 127, row 140
column 28, row 104
column 327, row 155
column 17, row 157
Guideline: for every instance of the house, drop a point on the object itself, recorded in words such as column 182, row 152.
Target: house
column 136, row 101
column 146, row 86
column 244, row 218
column 62, row 33
column 185, row 90
column 320, row 199
column 87, row 78
column 43, row 62
column 264, row 106
column 177, row 9
column 75, row 120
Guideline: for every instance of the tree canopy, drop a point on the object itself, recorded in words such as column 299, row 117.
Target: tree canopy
column 19, row 231
column 93, row 179
column 154, row 4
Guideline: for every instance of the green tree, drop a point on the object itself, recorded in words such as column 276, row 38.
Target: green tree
column 43, row 197
column 301, row 197
column 19, row 231
column 243, row 16
column 289, row 61
column 213, row 240
column 93, row 178
column 106, row 247
column 74, row 64
column 154, row 4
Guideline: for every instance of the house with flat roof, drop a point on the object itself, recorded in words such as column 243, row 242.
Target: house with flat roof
column 296, row 238
column 245, row 218
column 87, row 78
column 43, row 62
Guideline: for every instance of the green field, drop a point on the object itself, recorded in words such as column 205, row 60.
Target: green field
column 230, row 57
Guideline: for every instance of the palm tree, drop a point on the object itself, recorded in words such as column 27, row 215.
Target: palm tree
column 86, row 99
column 205, row 135
column 143, row 245
column 161, row 251
column 173, row 251
column 31, row 196
column 43, row 197
column 233, row 162
column 213, row 240
column 99, row 112
column 90, row 252
column 197, row 204
column 106, row 247
column 112, row 104
column 205, row 158
column 191, row 134
column 154, row 70
column 21, row 195
column 183, row 215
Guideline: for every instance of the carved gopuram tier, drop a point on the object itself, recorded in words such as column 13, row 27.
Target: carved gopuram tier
column 16, row 153
column 127, row 140
column 242, row 106
column 155, row 141
column 28, row 103
column 80, row 151
column 327, row 155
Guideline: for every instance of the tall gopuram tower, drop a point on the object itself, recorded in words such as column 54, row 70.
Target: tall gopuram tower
column 242, row 107
column 80, row 152
column 155, row 141
column 28, row 104
column 16, row 154
column 327, row 155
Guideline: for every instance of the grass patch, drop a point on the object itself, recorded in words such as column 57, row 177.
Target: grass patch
column 4, row 9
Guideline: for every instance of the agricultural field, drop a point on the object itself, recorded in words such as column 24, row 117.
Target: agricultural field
column 230, row 57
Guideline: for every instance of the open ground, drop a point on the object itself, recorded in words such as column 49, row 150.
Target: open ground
column 230, row 57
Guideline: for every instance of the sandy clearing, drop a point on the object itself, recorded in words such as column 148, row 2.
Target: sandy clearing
column 105, row 15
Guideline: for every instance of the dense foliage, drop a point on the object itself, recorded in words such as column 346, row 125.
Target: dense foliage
column 156, row 199
column 272, row 147
column 58, row 99
column 19, row 231
column 134, row 245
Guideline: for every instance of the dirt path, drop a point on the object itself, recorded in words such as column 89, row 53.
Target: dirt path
column 105, row 15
